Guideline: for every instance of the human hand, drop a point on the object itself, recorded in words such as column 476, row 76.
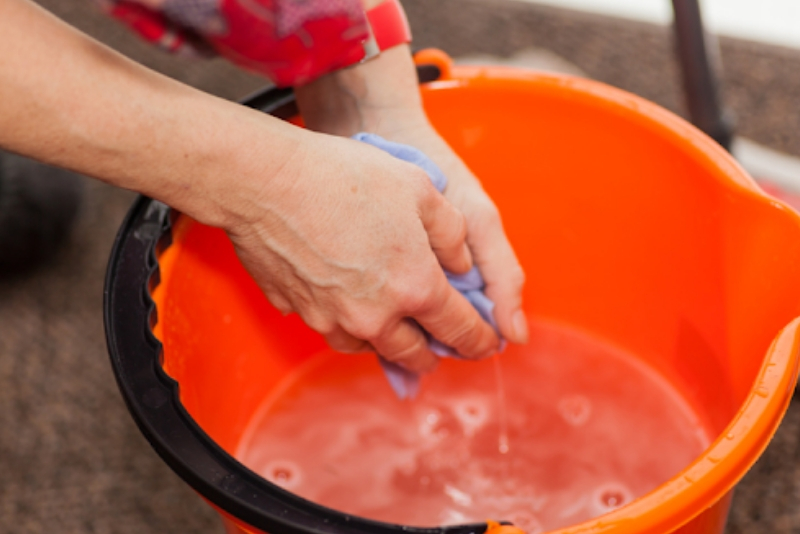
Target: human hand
column 382, row 96
column 491, row 251
column 354, row 241
column 347, row 236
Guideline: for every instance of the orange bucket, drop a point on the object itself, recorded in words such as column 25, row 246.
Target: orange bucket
column 631, row 225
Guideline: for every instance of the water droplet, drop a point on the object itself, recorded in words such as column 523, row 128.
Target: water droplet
column 284, row 473
column 472, row 414
column 761, row 391
column 502, row 444
column 430, row 426
column 459, row 497
column 611, row 496
column 502, row 412
column 575, row 409
column 612, row 499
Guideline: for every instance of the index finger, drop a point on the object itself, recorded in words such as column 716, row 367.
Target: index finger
column 503, row 275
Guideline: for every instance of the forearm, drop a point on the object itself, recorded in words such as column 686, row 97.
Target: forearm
column 379, row 96
column 73, row 102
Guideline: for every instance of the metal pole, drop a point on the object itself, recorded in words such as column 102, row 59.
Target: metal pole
column 699, row 68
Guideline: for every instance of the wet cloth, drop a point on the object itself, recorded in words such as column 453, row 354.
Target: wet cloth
column 404, row 382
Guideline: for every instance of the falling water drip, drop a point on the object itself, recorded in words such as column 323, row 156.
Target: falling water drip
column 502, row 418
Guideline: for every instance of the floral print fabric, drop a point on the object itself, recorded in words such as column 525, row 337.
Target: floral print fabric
column 290, row 41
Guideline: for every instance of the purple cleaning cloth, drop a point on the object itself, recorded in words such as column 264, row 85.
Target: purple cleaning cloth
column 405, row 383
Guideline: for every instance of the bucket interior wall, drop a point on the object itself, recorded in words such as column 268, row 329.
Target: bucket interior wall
column 625, row 229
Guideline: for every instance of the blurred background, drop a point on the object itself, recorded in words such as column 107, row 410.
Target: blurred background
column 72, row 460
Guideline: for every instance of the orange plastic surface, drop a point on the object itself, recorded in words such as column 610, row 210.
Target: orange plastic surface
column 496, row 528
column 630, row 224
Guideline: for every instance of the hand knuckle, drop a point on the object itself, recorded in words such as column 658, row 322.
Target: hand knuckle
column 487, row 215
column 368, row 326
column 408, row 354
column 424, row 189
column 346, row 344
column 517, row 277
column 458, row 229
column 416, row 298
column 421, row 179
column 320, row 323
column 462, row 335
column 337, row 343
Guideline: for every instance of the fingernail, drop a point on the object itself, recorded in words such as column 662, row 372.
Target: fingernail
column 519, row 325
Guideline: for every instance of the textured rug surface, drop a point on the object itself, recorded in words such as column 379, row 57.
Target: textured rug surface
column 72, row 460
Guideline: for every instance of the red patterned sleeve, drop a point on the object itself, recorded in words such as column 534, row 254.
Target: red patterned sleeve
column 289, row 41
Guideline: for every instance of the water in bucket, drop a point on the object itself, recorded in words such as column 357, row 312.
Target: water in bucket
column 589, row 428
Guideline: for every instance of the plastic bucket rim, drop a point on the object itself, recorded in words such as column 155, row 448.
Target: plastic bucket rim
column 711, row 481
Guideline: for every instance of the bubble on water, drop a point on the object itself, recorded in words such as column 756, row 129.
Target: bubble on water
column 611, row 496
column 453, row 517
column 457, row 496
column 558, row 474
column 472, row 414
column 502, row 444
column 575, row 409
column 436, row 426
column 430, row 423
column 612, row 499
column 526, row 521
column 283, row 473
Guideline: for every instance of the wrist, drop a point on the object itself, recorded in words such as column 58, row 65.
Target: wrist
column 378, row 89
column 239, row 167
column 364, row 97
column 214, row 161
